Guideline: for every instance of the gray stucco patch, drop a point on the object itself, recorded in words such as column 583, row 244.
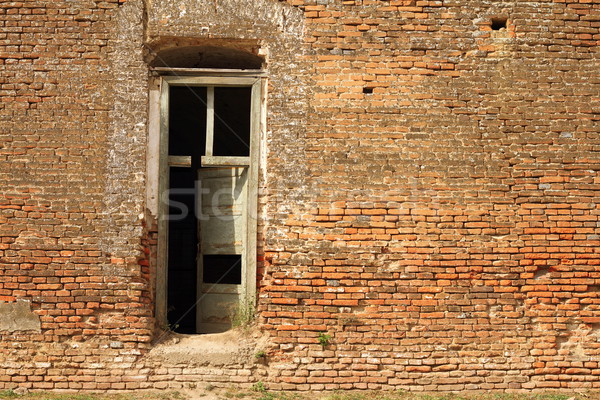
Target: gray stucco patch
column 18, row 316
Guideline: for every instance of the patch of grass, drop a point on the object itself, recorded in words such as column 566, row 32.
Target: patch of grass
column 441, row 396
column 171, row 395
column 360, row 395
column 290, row 396
column 168, row 395
column 557, row 396
column 260, row 392
column 259, row 387
column 8, row 394
column 404, row 395
column 232, row 394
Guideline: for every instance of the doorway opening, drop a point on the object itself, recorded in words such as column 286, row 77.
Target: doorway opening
column 210, row 127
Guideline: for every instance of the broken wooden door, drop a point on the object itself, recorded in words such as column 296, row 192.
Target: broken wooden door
column 222, row 233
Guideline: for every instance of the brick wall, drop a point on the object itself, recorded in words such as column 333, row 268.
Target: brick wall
column 448, row 233
column 429, row 191
column 71, row 237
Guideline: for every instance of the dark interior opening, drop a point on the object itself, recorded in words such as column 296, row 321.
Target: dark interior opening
column 181, row 312
column 232, row 121
column 222, row 269
column 187, row 132
column 367, row 90
column 498, row 23
column 187, row 121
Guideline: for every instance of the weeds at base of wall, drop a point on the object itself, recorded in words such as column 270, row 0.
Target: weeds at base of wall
column 243, row 315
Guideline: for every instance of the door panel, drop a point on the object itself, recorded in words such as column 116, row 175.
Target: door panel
column 215, row 308
column 222, row 229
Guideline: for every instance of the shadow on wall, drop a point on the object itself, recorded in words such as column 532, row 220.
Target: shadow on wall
column 204, row 56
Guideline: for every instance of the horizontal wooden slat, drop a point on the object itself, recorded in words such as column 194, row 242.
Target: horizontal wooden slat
column 215, row 161
column 210, row 80
column 180, row 161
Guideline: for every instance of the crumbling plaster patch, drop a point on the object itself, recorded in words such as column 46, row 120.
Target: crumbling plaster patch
column 225, row 18
column 17, row 316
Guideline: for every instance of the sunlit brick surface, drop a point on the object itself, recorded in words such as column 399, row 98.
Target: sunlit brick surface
column 429, row 193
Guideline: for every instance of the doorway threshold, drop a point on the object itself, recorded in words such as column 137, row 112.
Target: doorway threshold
column 234, row 347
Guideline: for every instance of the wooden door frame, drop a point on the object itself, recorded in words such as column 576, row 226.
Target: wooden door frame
column 158, row 169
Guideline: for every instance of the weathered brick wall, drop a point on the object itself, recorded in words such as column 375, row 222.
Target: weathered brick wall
column 429, row 193
column 447, row 237
column 72, row 163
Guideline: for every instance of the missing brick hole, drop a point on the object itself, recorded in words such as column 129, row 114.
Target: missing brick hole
column 499, row 23
column 367, row 90
column 540, row 273
column 561, row 340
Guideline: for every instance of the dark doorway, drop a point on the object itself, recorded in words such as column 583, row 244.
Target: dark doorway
column 187, row 129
